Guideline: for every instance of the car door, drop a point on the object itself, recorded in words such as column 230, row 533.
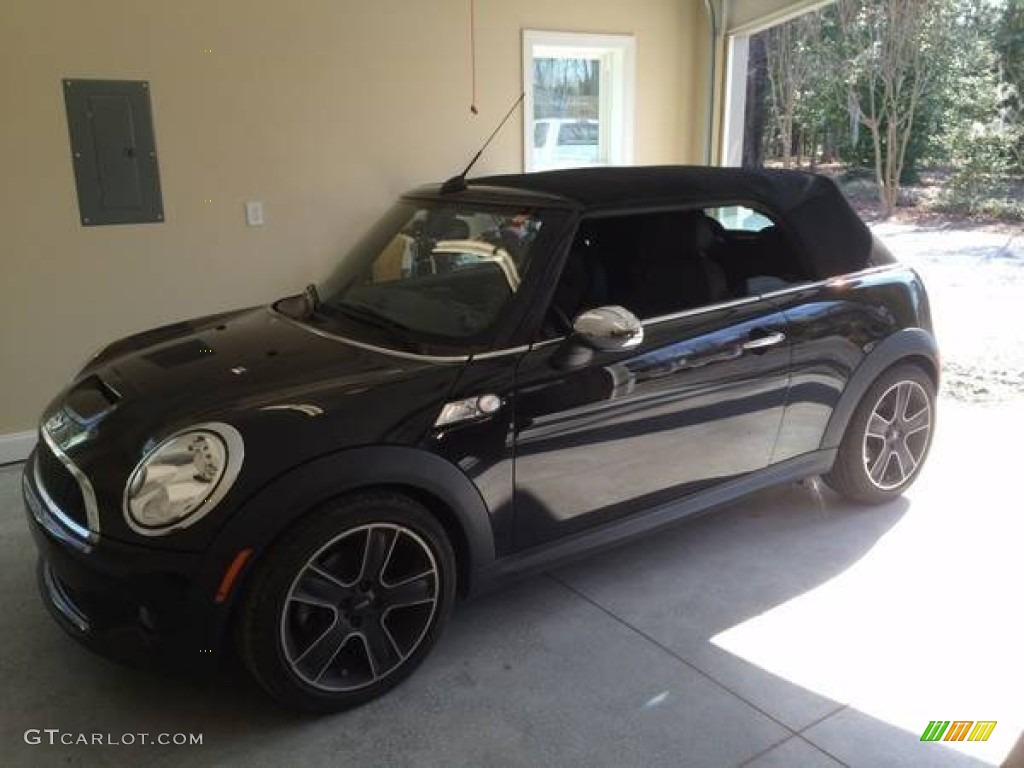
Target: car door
column 696, row 404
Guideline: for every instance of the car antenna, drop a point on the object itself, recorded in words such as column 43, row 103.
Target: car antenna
column 458, row 183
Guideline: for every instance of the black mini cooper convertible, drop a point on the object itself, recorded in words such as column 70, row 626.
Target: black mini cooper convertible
column 502, row 374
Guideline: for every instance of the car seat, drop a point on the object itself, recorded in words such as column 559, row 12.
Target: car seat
column 583, row 283
column 673, row 271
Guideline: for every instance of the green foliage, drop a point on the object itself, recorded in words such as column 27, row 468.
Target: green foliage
column 1009, row 44
column 982, row 184
column 984, row 194
column 970, row 115
column 982, row 131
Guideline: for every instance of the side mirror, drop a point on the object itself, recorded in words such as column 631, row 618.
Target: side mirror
column 609, row 329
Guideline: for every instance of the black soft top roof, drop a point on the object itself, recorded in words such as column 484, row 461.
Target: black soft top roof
column 810, row 208
column 601, row 187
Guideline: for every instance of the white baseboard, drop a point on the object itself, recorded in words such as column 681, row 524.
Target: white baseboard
column 16, row 446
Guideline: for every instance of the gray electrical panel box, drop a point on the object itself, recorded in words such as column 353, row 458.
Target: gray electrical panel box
column 113, row 151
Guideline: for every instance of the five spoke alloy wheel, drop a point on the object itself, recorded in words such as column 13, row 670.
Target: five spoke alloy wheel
column 887, row 439
column 348, row 602
column 897, row 434
column 359, row 607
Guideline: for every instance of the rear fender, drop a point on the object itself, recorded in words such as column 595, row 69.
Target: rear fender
column 907, row 344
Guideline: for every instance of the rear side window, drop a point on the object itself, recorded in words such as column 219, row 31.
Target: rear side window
column 752, row 250
column 739, row 218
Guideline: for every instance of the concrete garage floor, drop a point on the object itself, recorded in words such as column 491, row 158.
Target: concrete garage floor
column 791, row 629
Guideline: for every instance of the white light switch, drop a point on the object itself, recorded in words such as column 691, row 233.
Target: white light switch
column 254, row 213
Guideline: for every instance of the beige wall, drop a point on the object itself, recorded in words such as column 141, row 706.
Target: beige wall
column 323, row 109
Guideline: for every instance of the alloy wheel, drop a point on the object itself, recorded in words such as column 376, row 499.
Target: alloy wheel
column 897, row 435
column 359, row 607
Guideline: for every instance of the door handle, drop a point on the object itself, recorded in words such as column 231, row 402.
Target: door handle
column 763, row 342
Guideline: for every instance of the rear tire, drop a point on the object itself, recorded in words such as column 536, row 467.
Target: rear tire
column 888, row 438
column 349, row 604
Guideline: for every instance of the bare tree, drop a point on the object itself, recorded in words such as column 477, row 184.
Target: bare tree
column 887, row 45
column 790, row 65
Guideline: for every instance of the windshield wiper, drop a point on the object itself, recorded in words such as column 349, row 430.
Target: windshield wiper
column 372, row 316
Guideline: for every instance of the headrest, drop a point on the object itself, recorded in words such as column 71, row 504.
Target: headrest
column 446, row 226
column 702, row 231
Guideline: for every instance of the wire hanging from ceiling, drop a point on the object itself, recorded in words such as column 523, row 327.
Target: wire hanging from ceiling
column 472, row 55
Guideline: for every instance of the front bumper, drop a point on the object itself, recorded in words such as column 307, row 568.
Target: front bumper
column 145, row 607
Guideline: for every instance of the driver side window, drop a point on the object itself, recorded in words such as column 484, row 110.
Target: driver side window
column 662, row 263
column 653, row 264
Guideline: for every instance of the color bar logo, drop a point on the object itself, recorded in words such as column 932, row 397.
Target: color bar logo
column 958, row 730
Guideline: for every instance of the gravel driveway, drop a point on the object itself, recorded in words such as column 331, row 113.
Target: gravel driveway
column 975, row 279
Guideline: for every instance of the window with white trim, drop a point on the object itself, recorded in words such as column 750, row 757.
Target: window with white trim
column 579, row 99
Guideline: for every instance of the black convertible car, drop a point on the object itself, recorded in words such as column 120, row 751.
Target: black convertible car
column 501, row 375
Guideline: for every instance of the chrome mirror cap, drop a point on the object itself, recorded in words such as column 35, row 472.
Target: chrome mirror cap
column 609, row 329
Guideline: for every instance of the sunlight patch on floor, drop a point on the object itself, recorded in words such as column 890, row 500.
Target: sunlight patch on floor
column 927, row 625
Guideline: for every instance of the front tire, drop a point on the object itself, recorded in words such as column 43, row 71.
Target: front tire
column 888, row 437
column 347, row 606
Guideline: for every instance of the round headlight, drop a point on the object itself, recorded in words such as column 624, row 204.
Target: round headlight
column 182, row 479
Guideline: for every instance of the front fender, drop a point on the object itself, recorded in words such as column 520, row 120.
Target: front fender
column 268, row 514
column 904, row 344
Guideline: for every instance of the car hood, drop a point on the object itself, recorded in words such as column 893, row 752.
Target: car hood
column 240, row 360
column 292, row 393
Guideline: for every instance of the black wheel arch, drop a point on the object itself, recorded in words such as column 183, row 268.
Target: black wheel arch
column 436, row 483
column 909, row 345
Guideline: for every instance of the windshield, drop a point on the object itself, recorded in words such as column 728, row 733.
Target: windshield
column 431, row 274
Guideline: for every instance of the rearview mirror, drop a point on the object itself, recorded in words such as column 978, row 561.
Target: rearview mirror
column 609, row 329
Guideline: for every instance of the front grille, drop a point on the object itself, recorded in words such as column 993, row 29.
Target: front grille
column 60, row 485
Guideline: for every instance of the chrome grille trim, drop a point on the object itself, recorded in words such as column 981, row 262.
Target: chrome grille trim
column 56, row 512
column 45, row 515
column 92, row 514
